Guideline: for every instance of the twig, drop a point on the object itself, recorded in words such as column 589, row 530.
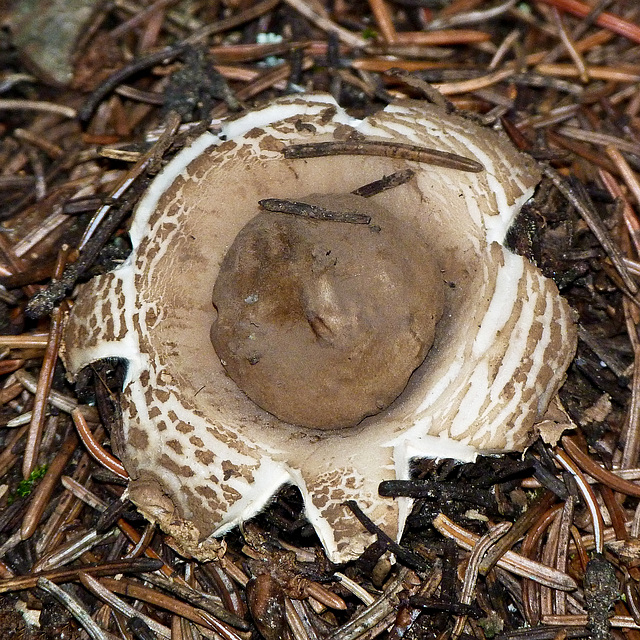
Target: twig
column 324, row 23
column 467, row 86
column 590, row 466
column 410, row 559
column 141, row 565
column 380, row 610
column 129, row 588
column 384, row 184
column 141, row 17
column 631, row 448
column 600, row 138
column 95, row 449
column 44, row 490
column 312, row 211
column 384, row 20
column 355, row 588
column 76, row 608
column 102, row 592
column 199, row 599
column 539, row 506
column 250, row 13
column 625, row 171
column 73, row 549
column 588, row 495
column 37, row 105
column 385, row 150
column 441, row 37
column 42, row 391
column 511, row 561
column 56, row 399
column 25, row 341
column 165, row 55
column 471, row 574
column 152, row 155
column 470, row 17
column 596, row 72
column 605, row 20
column 569, row 45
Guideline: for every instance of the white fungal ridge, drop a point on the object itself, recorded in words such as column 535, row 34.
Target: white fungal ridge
column 162, row 182
column 501, row 307
column 262, row 118
column 322, row 526
column 268, row 478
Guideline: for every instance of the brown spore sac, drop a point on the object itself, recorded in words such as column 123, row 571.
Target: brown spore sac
column 321, row 323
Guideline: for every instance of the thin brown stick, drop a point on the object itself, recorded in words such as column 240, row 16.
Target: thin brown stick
column 44, row 386
column 18, row 583
column 172, row 122
column 471, row 574
column 511, row 561
column 384, row 149
column 128, row 588
column 616, row 513
column 588, row 465
column 383, row 19
column 139, row 18
column 600, row 138
column 145, row 540
column 76, row 608
column 198, row 599
column 467, row 86
column 305, row 8
column 7, row 457
column 52, row 150
column 37, row 105
column 548, row 557
column 470, row 17
column 43, row 491
column 385, row 183
column 626, row 172
column 442, row 37
column 108, row 596
column 562, row 552
column 9, row 393
column 614, row 74
column 250, row 13
column 581, row 620
column 25, row 341
column 539, row 506
column 582, row 150
column 312, row 211
column 631, row 449
column 95, row 448
column 531, row 590
column 605, row 19
column 587, row 493
column 66, row 511
column 569, row 45
column 326, row 597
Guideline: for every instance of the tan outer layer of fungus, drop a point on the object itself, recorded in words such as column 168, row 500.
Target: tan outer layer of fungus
column 203, row 457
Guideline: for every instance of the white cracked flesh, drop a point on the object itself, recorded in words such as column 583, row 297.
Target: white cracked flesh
column 202, row 457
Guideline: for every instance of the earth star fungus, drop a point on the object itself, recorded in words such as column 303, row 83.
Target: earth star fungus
column 281, row 327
